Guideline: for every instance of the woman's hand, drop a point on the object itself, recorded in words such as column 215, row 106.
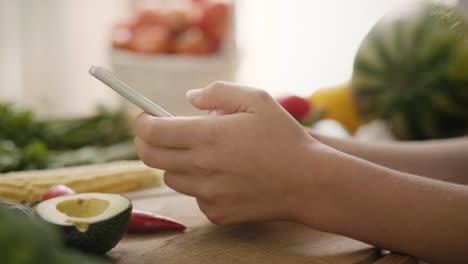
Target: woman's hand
column 247, row 164
column 256, row 163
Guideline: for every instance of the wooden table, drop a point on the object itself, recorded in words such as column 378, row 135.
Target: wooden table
column 205, row 243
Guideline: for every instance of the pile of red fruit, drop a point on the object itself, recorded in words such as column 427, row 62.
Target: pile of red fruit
column 197, row 29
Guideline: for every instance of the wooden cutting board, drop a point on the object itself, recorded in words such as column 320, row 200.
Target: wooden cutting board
column 204, row 242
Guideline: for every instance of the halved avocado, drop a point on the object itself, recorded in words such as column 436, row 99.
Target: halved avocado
column 93, row 222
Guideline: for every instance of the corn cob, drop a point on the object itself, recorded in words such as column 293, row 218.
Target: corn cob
column 114, row 177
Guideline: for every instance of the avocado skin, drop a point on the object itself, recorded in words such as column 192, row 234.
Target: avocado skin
column 101, row 236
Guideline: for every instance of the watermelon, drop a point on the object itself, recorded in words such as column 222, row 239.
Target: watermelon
column 411, row 71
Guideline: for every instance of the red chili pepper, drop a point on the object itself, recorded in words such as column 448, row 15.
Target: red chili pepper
column 145, row 222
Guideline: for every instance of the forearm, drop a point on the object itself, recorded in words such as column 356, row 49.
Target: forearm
column 396, row 211
column 437, row 159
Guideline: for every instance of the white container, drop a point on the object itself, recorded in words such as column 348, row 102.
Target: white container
column 165, row 79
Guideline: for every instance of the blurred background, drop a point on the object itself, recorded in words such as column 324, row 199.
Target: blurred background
column 46, row 48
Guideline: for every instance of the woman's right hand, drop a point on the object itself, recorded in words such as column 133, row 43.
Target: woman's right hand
column 252, row 163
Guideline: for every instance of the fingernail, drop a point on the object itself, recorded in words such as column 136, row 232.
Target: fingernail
column 192, row 93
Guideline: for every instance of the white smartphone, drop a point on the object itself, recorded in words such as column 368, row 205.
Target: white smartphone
column 127, row 92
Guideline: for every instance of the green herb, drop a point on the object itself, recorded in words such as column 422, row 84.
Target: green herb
column 27, row 142
column 28, row 240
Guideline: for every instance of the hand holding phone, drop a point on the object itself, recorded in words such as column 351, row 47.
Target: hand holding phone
column 127, row 92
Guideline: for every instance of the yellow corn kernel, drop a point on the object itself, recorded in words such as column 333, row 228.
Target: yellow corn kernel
column 114, row 177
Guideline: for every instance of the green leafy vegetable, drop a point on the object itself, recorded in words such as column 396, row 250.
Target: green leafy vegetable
column 27, row 142
column 28, row 240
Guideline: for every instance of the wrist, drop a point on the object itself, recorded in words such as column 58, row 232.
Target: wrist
column 314, row 203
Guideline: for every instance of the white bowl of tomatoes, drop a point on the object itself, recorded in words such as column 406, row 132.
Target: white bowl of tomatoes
column 165, row 51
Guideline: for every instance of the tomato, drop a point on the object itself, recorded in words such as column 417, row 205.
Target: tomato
column 121, row 36
column 192, row 41
column 178, row 20
column 151, row 39
column 56, row 191
column 148, row 17
column 296, row 106
column 215, row 20
column 197, row 2
column 196, row 29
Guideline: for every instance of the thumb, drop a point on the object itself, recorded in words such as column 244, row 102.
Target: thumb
column 226, row 98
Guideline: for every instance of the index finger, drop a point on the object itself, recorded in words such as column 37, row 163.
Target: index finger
column 168, row 132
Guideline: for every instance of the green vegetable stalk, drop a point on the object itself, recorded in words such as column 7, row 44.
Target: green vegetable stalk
column 27, row 142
